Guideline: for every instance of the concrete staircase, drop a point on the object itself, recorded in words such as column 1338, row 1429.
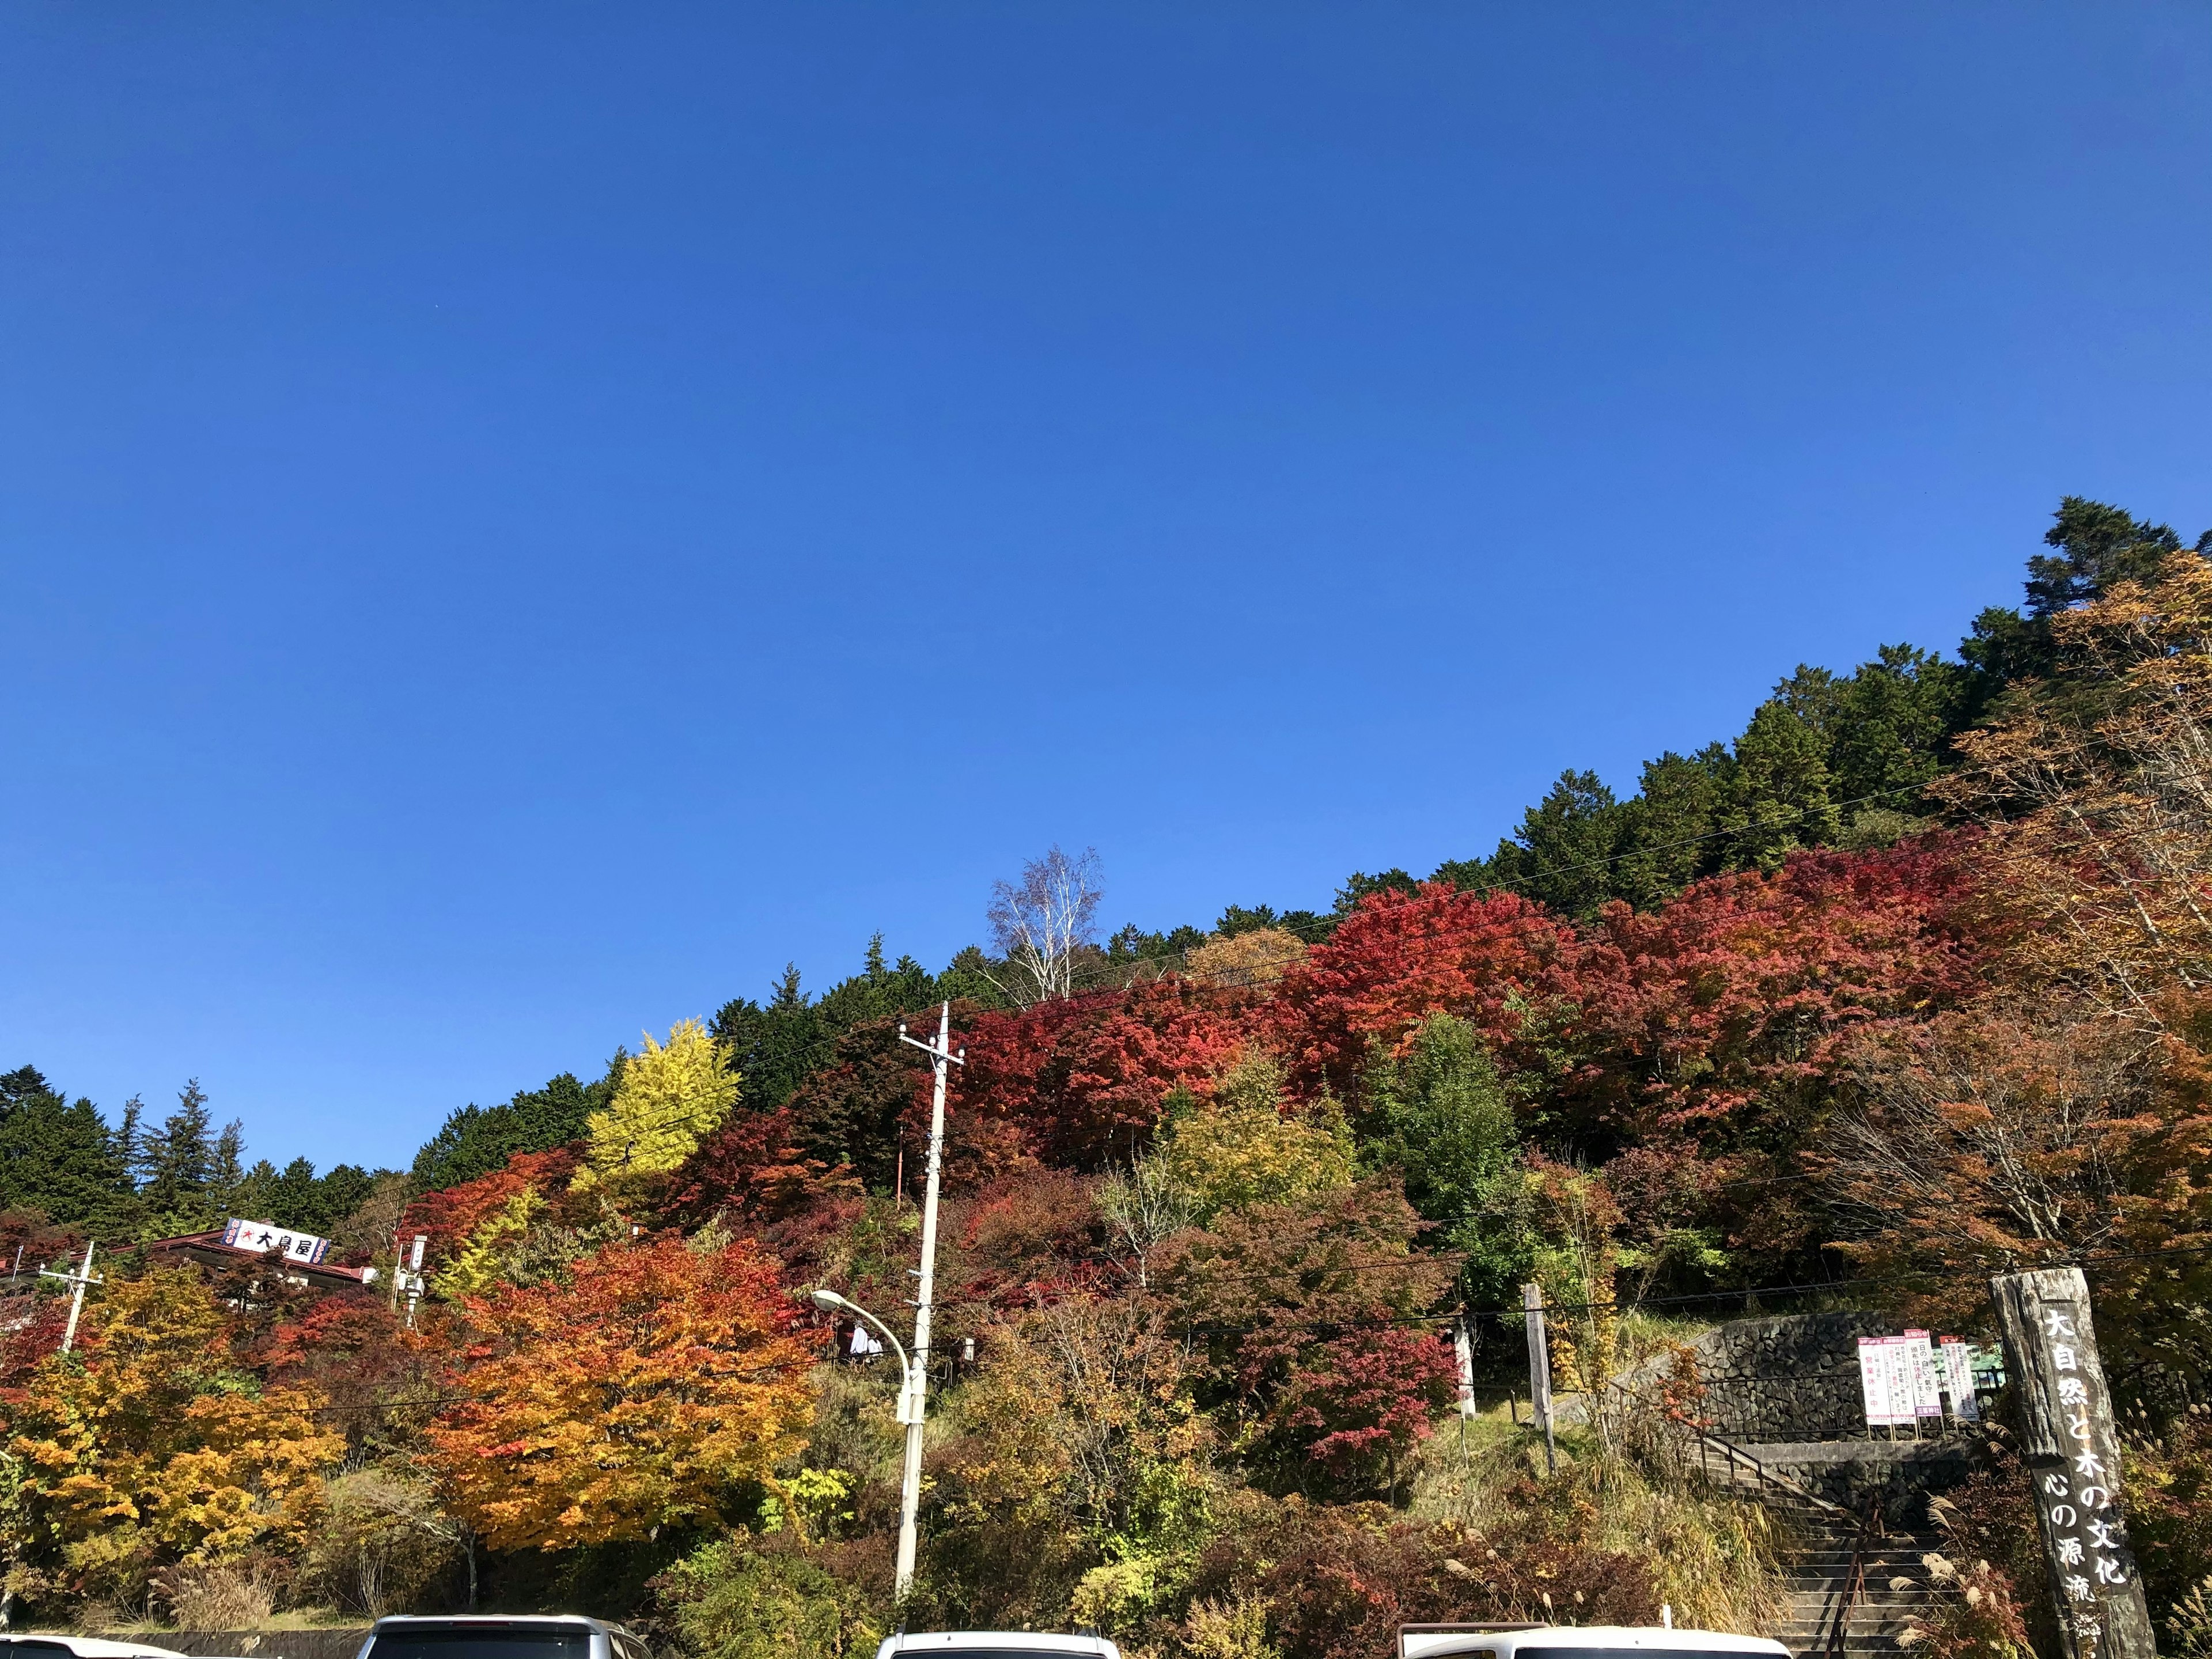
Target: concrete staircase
column 1817, row 1569
column 1783, row 1393
column 1818, row 1572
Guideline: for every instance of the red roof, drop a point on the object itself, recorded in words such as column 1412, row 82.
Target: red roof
column 208, row 1247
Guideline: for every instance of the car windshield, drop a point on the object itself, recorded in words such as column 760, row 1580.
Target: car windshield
column 517, row 1641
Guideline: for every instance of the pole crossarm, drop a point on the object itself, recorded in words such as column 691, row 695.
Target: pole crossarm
column 958, row 1057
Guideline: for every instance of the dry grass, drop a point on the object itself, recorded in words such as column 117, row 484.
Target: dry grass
column 1713, row 1558
column 219, row 1598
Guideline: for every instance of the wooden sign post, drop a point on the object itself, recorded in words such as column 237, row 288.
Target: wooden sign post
column 2073, row 1456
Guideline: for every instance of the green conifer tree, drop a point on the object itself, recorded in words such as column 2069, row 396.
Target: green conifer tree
column 59, row 1158
column 1780, row 797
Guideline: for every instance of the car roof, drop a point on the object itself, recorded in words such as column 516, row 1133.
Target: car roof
column 1025, row 1641
column 494, row 1620
column 92, row 1647
column 1415, row 1642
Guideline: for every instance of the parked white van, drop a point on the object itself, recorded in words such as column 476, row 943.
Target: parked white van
column 1577, row 1642
column 995, row 1644
column 42, row 1645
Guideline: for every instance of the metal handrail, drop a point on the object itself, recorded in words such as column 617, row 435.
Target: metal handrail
column 1730, row 1452
column 1854, row 1584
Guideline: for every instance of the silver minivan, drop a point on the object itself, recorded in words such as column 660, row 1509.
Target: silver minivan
column 497, row 1636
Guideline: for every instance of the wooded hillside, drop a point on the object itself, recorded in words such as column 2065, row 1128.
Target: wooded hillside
column 1910, row 981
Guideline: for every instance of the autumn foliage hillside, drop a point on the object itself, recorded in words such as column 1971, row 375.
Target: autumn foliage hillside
column 1215, row 1201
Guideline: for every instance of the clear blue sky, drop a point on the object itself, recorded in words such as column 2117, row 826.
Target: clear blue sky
column 515, row 520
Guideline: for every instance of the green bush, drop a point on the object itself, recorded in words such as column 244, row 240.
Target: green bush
column 765, row 1598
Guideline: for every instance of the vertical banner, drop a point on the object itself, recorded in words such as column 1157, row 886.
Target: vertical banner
column 2073, row 1456
column 1927, row 1392
column 1874, row 1381
column 1463, row 1356
column 1958, row 1369
column 1904, row 1381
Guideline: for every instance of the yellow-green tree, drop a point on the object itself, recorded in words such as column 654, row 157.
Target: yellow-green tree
column 671, row 1097
column 1246, row 1146
column 150, row 1444
column 474, row 1267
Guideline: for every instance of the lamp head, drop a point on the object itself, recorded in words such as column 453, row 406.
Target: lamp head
column 829, row 1301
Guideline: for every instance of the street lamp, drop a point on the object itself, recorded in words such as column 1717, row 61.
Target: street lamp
column 830, row 1301
column 910, row 1414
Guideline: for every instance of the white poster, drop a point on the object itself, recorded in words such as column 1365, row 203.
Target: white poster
column 1897, row 1353
column 1874, row 1383
column 1959, row 1380
column 1927, row 1392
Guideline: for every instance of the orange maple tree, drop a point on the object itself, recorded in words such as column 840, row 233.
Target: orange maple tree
column 661, row 1378
column 449, row 1216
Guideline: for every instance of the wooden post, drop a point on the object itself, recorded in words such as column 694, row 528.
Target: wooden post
column 2073, row 1455
column 1540, row 1369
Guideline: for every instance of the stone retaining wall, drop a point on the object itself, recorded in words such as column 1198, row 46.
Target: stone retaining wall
column 1849, row 1472
column 1789, row 1379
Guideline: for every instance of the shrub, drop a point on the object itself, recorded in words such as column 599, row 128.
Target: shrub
column 748, row 1598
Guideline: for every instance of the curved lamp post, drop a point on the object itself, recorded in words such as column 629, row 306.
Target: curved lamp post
column 830, row 1301
column 908, row 1413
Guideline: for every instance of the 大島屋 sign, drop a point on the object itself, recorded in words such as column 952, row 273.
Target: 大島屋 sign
column 262, row 1236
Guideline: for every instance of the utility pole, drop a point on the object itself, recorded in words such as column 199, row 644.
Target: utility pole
column 1539, row 1369
column 80, row 1278
column 940, row 1052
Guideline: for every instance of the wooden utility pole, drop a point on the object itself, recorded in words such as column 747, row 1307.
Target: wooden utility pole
column 2072, row 1454
column 1540, row 1369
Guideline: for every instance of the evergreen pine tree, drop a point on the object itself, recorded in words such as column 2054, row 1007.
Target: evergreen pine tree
column 1896, row 714
column 1562, row 855
column 1667, row 840
column 1780, row 797
column 59, row 1159
column 178, row 1194
column 774, row 1047
column 474, row 1140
